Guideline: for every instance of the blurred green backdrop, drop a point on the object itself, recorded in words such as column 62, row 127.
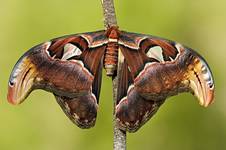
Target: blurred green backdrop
column 39, row 123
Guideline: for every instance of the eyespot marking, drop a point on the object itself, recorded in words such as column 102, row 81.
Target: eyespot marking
column 70, row 50
column 156, row 53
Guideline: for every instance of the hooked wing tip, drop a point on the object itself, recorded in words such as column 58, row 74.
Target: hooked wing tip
column 23, row 75
column 10, row 97
column 21, row 81
column 200, row 81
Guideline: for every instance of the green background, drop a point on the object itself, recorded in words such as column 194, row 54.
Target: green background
column 40, row 124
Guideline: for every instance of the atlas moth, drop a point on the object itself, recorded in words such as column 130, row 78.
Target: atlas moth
column 70, row 67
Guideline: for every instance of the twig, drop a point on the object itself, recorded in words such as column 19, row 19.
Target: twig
column 109, row 13
column 119, row 135
column 110, row 20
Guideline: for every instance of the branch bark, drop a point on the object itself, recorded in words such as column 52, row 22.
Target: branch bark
column 109, row 13
column 110, row 20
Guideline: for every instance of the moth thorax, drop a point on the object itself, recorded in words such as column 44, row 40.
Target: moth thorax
column 111, row 58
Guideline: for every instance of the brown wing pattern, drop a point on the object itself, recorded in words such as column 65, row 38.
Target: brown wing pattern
column 158, row 68
column 70, row 67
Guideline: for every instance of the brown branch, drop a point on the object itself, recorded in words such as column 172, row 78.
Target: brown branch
column 110, row 20
column 109, row 13
column 119, row 135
